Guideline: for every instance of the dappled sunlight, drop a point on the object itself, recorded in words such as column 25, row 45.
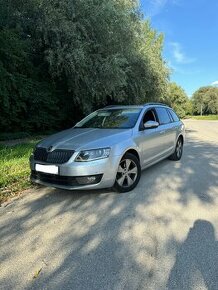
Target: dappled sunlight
column 105, row 240
column 92, row 245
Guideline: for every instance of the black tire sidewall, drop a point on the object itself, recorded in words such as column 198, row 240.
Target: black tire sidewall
column 180, row 140
column 174, row 156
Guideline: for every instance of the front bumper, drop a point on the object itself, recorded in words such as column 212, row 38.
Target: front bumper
column 71, row 172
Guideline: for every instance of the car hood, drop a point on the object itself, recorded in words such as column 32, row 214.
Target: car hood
column 85, row 138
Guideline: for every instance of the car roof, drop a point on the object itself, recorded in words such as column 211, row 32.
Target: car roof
column 136, row 106
column 124, row 107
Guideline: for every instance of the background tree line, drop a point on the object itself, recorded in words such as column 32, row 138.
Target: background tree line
column 205, row 101
column 61, row 59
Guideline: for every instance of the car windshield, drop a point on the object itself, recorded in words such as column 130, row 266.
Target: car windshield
column 111, row 119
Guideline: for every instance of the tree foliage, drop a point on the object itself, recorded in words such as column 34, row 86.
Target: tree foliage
column 62, row 58
column 26, row 100
column 178, row 100
column 205, row 99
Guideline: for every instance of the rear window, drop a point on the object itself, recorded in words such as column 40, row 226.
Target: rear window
column 174, row 116
column 163, row 116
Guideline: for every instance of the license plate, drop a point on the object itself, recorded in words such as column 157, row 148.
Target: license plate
column 52, row 169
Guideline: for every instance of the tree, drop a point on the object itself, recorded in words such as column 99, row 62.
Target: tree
column 26, row 100
column 70, row 57
column 178, row 100
column 27, row 96
column 105, row 51
column 205, row 100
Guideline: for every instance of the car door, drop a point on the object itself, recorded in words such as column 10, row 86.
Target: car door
column 148, row 139
column 166, row 130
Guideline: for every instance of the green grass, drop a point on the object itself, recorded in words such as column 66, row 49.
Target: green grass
column 14, row 169
column 208, row 117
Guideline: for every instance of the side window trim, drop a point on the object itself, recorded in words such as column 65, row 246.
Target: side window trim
column 158, row 117
column 170, row 115
column 158, row 120
column 172, row 111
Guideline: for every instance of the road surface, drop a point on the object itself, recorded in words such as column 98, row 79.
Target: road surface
column 162, row 235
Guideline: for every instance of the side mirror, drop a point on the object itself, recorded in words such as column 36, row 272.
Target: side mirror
column 151, row 125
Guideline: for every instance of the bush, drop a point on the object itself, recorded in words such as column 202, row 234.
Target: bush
column 14, row 168
column 13, row 136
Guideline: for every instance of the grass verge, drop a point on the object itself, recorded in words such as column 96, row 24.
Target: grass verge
column 14, row 169
column 208, row 117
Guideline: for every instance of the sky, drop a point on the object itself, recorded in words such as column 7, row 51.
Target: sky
column 191, row 39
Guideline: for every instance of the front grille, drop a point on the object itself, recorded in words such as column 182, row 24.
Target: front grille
column 60, row 180
column 57, row 156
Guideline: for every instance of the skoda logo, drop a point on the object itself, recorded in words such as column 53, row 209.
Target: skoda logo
column 49, row 149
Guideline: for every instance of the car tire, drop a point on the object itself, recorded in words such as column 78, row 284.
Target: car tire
column 177, row 155
column 128, row 173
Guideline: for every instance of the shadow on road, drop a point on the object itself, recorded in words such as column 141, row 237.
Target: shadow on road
column 199, row 171
column 104, row 240
column 197, row 260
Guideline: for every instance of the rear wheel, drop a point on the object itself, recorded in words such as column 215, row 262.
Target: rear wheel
column 178, row 151
column 128, row 173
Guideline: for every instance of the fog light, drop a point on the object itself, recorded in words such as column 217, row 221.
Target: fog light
column 92, row 179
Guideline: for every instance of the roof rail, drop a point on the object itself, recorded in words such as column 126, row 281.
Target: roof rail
column 111, row 106
column 150, row 104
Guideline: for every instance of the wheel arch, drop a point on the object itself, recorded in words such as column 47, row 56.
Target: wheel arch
column 119, row 187
column 133, row 152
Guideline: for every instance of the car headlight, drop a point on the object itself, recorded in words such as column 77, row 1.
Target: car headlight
column 94, row 154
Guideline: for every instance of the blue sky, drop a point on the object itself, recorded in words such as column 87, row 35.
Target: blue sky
column 191, row 39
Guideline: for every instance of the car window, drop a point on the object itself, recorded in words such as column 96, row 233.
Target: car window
column 149, row 116
column 111, row 119
column 163, row 116
column 174, row 116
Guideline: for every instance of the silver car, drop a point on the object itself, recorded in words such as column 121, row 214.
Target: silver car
column 109, row 148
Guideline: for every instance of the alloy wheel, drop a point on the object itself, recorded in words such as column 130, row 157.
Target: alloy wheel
column 179, row 149
column 127, row 173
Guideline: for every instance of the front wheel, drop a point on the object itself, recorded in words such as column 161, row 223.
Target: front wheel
column 128, row 173
column 178, row 151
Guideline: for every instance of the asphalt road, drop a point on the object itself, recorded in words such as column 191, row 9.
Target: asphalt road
column 163, row 235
